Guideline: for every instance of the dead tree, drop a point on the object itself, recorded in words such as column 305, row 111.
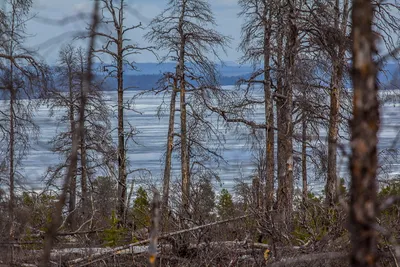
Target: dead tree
column 337, row 56
column 304, row 177
column 364, row 129
column 66, row 74
column 256, row 45
column 183, row 30
column 284, row 114
column 116, row 46
column 96, row 144
column 57, row 215
column 165, row 83
column 18, row 82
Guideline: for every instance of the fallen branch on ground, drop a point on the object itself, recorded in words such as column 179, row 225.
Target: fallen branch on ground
column 309, row 258
column 101, row 255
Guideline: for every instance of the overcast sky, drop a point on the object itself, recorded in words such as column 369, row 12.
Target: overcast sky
column 47, row 35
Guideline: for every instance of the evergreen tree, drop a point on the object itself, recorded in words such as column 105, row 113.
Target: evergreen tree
column 225, row 204
column 203, row 200
column 141, row 210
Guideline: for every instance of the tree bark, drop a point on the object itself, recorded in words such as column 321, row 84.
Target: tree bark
column 280, row 132
column 256, row 193
column 304, row 155
column 12, row 152
column 121, row 134
column 331, row 184
column 336, row 85
column 184, row 149
column 72, row 185
column 168, row 156
column 364, row 129
column 84, row 176
column 57, row 214
column 84, row 179
column 12, row 127
column 269, row 114
column 184, row 144
column 285, row 131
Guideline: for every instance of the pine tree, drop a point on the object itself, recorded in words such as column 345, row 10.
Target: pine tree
column 141, row 209
column 225, row 205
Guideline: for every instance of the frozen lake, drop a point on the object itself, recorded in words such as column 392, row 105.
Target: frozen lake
column 151, row 139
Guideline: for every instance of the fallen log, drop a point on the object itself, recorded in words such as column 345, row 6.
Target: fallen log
column 310, row 258
column 102, row 255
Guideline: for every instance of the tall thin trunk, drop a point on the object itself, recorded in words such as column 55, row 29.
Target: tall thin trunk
column 256, row 192
column 128, row 200
column 12, row 152
column 72, row 185
column 84, row 176
column 269, row 115
column 12, row 126
column 280, row 131
column 53, row 227
column 121, row 135
column 184, row 149
column 285, row 135
column 331, row 183
column 184, row 144
column 364, row 139
column 168, row 157
column 304, row 155
column 336, row 83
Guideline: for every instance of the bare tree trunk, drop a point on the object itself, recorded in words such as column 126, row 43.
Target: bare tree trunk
column 280, row 131
column 285, row 154
column 364, row 129
column 269, row 115
column 12, row 152
column 186, row 28
column 168, row 157
column 184, row 149
column 336, row 85
column 121, row 136
column 57, row 214
column 184, row 145
column 256, row 193
column 331, row 183
column 113, row 14
column 84, row 179
column 154, row 229
column 84, row 176
column 285, row 134
column 72, row 185
column 289, row 68
column 12, row 126
column 304, row 155
column 18, row 78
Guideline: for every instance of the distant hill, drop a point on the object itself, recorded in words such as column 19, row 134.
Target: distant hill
column 149, row 81
column 228, row 69
column 147, row 75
